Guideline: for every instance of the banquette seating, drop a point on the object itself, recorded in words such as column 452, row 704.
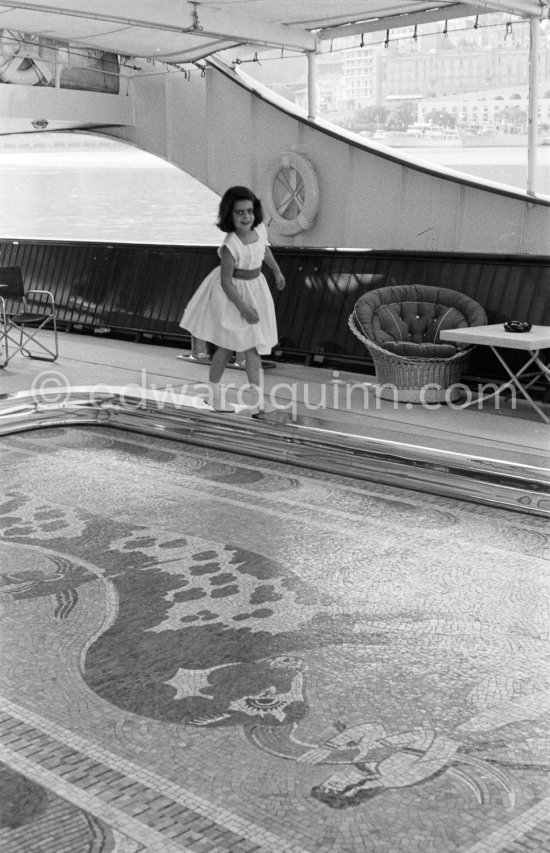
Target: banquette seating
column 400, row 326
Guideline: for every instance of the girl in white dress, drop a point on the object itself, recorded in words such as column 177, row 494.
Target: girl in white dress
column 233, row 308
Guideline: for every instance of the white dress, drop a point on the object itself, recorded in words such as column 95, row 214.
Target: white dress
column 211, row 316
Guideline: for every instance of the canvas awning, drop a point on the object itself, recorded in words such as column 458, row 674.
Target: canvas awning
column 177, row 31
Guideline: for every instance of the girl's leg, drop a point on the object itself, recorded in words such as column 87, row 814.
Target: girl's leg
column 253, row 364
column 218, row 363
column 199, row 348
column 217, row 367
column 254, row 371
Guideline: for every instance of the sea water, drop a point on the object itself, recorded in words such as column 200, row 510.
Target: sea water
column 109, row 192
column 505, row 165
column 78, row 187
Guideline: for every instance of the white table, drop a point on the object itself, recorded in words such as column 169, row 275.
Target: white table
column 496, row 337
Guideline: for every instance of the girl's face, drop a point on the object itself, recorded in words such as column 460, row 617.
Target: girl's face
column 243, row 216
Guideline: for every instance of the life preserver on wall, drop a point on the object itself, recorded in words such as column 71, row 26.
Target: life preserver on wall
column 291, row 196
column 20, row 61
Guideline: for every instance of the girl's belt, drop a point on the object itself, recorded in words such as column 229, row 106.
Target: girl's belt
column 247, row 274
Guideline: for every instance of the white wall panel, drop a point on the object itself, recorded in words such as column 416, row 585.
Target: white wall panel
column 186, row 106
column 223, row 132
column 494, row 221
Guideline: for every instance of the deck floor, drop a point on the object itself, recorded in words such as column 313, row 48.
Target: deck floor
column 312, row 396
column 206, row 651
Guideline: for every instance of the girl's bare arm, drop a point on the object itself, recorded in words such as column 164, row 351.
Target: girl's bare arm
column 273, row 265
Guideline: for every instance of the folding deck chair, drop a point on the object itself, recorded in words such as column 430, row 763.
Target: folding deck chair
column 20, row 323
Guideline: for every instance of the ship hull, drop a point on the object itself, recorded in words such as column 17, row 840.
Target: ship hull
column 495, row 140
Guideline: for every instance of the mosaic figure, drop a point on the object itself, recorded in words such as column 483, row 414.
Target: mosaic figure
column 272, row 705
column 373, row 761
column 398, row 761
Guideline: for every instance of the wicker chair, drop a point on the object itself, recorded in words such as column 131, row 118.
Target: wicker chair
column 400, row 326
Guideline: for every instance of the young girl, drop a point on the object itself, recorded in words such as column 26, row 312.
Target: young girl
column 233, row 307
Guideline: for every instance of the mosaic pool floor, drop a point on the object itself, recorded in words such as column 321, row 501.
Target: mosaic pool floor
column 206, row 652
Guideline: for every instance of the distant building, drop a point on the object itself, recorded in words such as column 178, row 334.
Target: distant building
column 473, row 74
column 440, row 66
column 454, row 70
column 362, row 77
column 489, row 109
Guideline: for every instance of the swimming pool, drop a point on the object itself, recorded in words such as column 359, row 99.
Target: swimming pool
column 208, row 651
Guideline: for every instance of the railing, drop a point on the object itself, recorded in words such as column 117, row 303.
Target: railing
column 141, row 290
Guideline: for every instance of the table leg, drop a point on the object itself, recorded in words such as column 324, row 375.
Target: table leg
column 544, row 369
column 515, row 378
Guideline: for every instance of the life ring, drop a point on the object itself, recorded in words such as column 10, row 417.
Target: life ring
column 33, row 74
column 21, row 63
column 291, row 194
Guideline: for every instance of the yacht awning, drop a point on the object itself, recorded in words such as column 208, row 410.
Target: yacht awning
column 177, row 31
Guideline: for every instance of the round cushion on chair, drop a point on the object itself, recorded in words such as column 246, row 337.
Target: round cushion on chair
column 420, row 350
column 414, row 313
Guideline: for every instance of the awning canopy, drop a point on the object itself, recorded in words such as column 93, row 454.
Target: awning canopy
column 178, row 31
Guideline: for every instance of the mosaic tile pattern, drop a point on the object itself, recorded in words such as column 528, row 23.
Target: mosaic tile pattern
column 205, row 652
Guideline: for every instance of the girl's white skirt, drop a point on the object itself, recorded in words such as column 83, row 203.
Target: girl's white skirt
column 211, row 316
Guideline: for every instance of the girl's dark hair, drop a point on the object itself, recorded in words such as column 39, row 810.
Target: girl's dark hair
column 225, row 212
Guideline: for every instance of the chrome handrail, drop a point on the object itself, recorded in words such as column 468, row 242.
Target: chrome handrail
column 306, row 443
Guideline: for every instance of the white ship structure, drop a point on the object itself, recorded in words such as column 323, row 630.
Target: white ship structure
column 166, row 77
column 421, row 135
column 496, row 139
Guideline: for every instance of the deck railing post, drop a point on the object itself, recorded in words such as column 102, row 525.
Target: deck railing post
column 312, row 100
column 534, row 32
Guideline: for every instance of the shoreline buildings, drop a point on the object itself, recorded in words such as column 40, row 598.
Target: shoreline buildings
column 475, row 74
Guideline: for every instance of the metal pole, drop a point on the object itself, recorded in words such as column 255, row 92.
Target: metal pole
column 534, row 31
column 312, row 103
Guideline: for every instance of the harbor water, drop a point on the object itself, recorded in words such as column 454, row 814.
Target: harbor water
column 80, row 187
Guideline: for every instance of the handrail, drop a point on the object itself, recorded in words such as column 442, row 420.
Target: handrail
column 480, row 479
